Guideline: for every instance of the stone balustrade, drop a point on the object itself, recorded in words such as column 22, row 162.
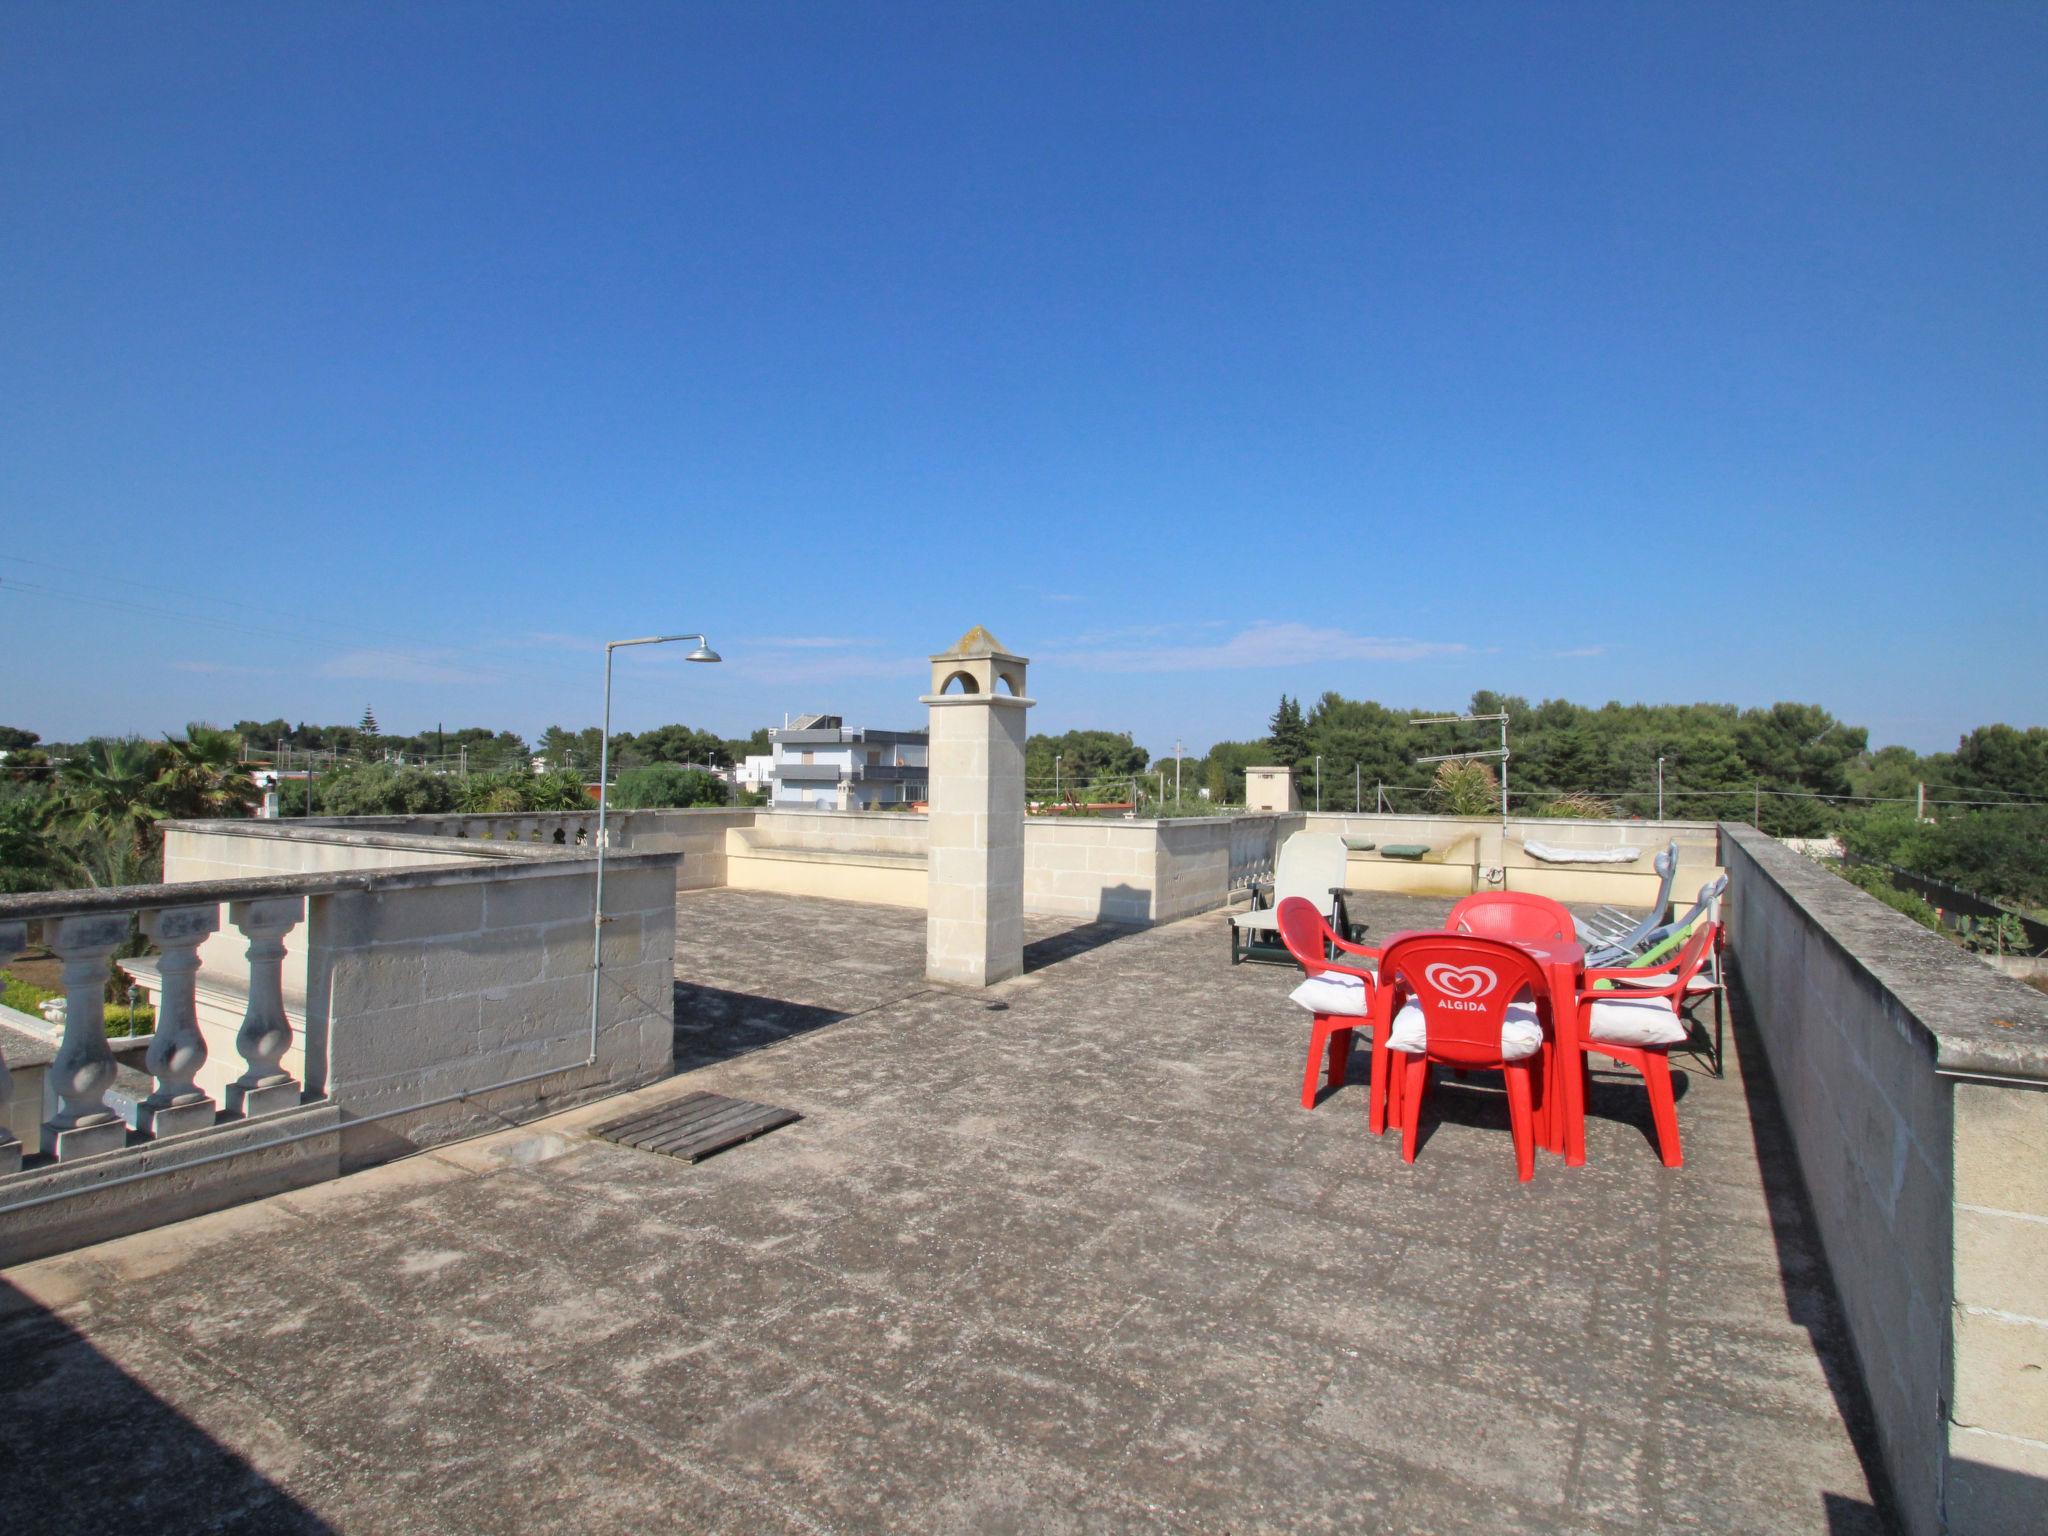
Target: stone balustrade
column 353, row 1013
column 84, row 931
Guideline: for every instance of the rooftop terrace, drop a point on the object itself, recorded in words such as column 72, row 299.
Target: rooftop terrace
column 1064, row 1255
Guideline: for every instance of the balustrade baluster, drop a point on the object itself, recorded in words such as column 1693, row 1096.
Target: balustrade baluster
column 13, row 940
column 84, row 1068
column 178, row 1050
column 266, row 1032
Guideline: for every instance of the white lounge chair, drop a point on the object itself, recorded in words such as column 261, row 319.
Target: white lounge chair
column 1311, row 866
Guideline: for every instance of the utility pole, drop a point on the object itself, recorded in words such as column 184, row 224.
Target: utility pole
column 1379, row 797
column 1176, row 774
column 1660, row 789
column 1055, row 778
column 1920, row 802
column 1319, row 783
column 1357, row 802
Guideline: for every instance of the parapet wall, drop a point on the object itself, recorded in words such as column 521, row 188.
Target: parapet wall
column 428, row 1002
column 1915, row 1086
column 1476, row 853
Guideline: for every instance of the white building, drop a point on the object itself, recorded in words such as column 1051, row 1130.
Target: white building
column 821, row 765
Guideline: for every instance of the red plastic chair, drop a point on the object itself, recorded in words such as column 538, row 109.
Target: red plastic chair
column 1310, row 939
column 1462, row 985
column 1513, row 915
column 1606, row 1018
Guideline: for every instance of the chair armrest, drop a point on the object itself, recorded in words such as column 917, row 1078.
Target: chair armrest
column 1356, row 949
column 1591, row 979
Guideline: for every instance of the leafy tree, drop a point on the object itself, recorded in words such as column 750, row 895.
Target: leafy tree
column 379, row 789
column 666, row 785
column 14, row 739
column 1222, row 771
column 581, row 750
column 1288, row 734
column 760, row 744
column 368, row 724
column 1082, row 757
column 2004, row 761
column 680, row 744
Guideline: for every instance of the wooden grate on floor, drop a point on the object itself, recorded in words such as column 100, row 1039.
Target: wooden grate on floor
column 697, row 1125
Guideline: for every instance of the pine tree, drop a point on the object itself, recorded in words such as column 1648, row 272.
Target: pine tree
column 1289, row 733
column 368, row 724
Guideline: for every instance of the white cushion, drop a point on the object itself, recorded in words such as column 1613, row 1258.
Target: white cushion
column 1521, row 1032
column 1259, row 919
column 1333, row 992
column 1634, row 1021
column 1551, row 854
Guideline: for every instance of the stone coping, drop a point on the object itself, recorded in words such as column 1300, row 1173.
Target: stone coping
column 389, row 835
column 791, row 853
column 134, row 898
column 21, row 1046
column 1981, row 1023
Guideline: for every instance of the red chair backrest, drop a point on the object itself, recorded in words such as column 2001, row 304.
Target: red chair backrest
column 1513, row 915
column 1695, row 953
column 1306, row 933
column 1464, row 984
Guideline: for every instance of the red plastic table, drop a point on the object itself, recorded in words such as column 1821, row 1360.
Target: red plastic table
column 1564, row 965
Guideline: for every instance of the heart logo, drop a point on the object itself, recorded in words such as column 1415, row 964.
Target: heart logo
column 1460, row 981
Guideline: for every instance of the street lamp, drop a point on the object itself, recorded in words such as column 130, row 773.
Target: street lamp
column 703, row 652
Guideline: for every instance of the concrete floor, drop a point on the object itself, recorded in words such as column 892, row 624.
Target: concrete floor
column 1066, row 1258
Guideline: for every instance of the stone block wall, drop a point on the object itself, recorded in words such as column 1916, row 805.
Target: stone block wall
column 1915, row 1086
column 237, row 850
column 698, row 835
column 450, row 982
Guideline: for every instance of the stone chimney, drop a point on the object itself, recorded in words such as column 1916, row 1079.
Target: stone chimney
column 974, row 923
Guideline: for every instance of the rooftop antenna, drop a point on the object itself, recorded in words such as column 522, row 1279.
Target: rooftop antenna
column 1500, row 751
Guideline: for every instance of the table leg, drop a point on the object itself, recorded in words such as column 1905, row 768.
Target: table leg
column 1570, row 1081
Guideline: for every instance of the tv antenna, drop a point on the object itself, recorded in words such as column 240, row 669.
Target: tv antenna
column 1500, row 751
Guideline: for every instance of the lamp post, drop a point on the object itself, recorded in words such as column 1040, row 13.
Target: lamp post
column 703, row 652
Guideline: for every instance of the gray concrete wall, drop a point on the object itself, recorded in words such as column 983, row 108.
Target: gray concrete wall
column 445, row 982
column 1913, row 1083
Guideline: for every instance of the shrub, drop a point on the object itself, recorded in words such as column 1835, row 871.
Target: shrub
column 1870, row 878
column 22, row 996
column 1580, row 805
column 665, row 786
column 1465, row 788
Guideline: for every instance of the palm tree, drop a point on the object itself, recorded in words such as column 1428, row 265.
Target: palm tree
column 29, row 860
column 107, row 787
column 202, row 776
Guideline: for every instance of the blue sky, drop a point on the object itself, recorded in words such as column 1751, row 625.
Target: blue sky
column 358, row 354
